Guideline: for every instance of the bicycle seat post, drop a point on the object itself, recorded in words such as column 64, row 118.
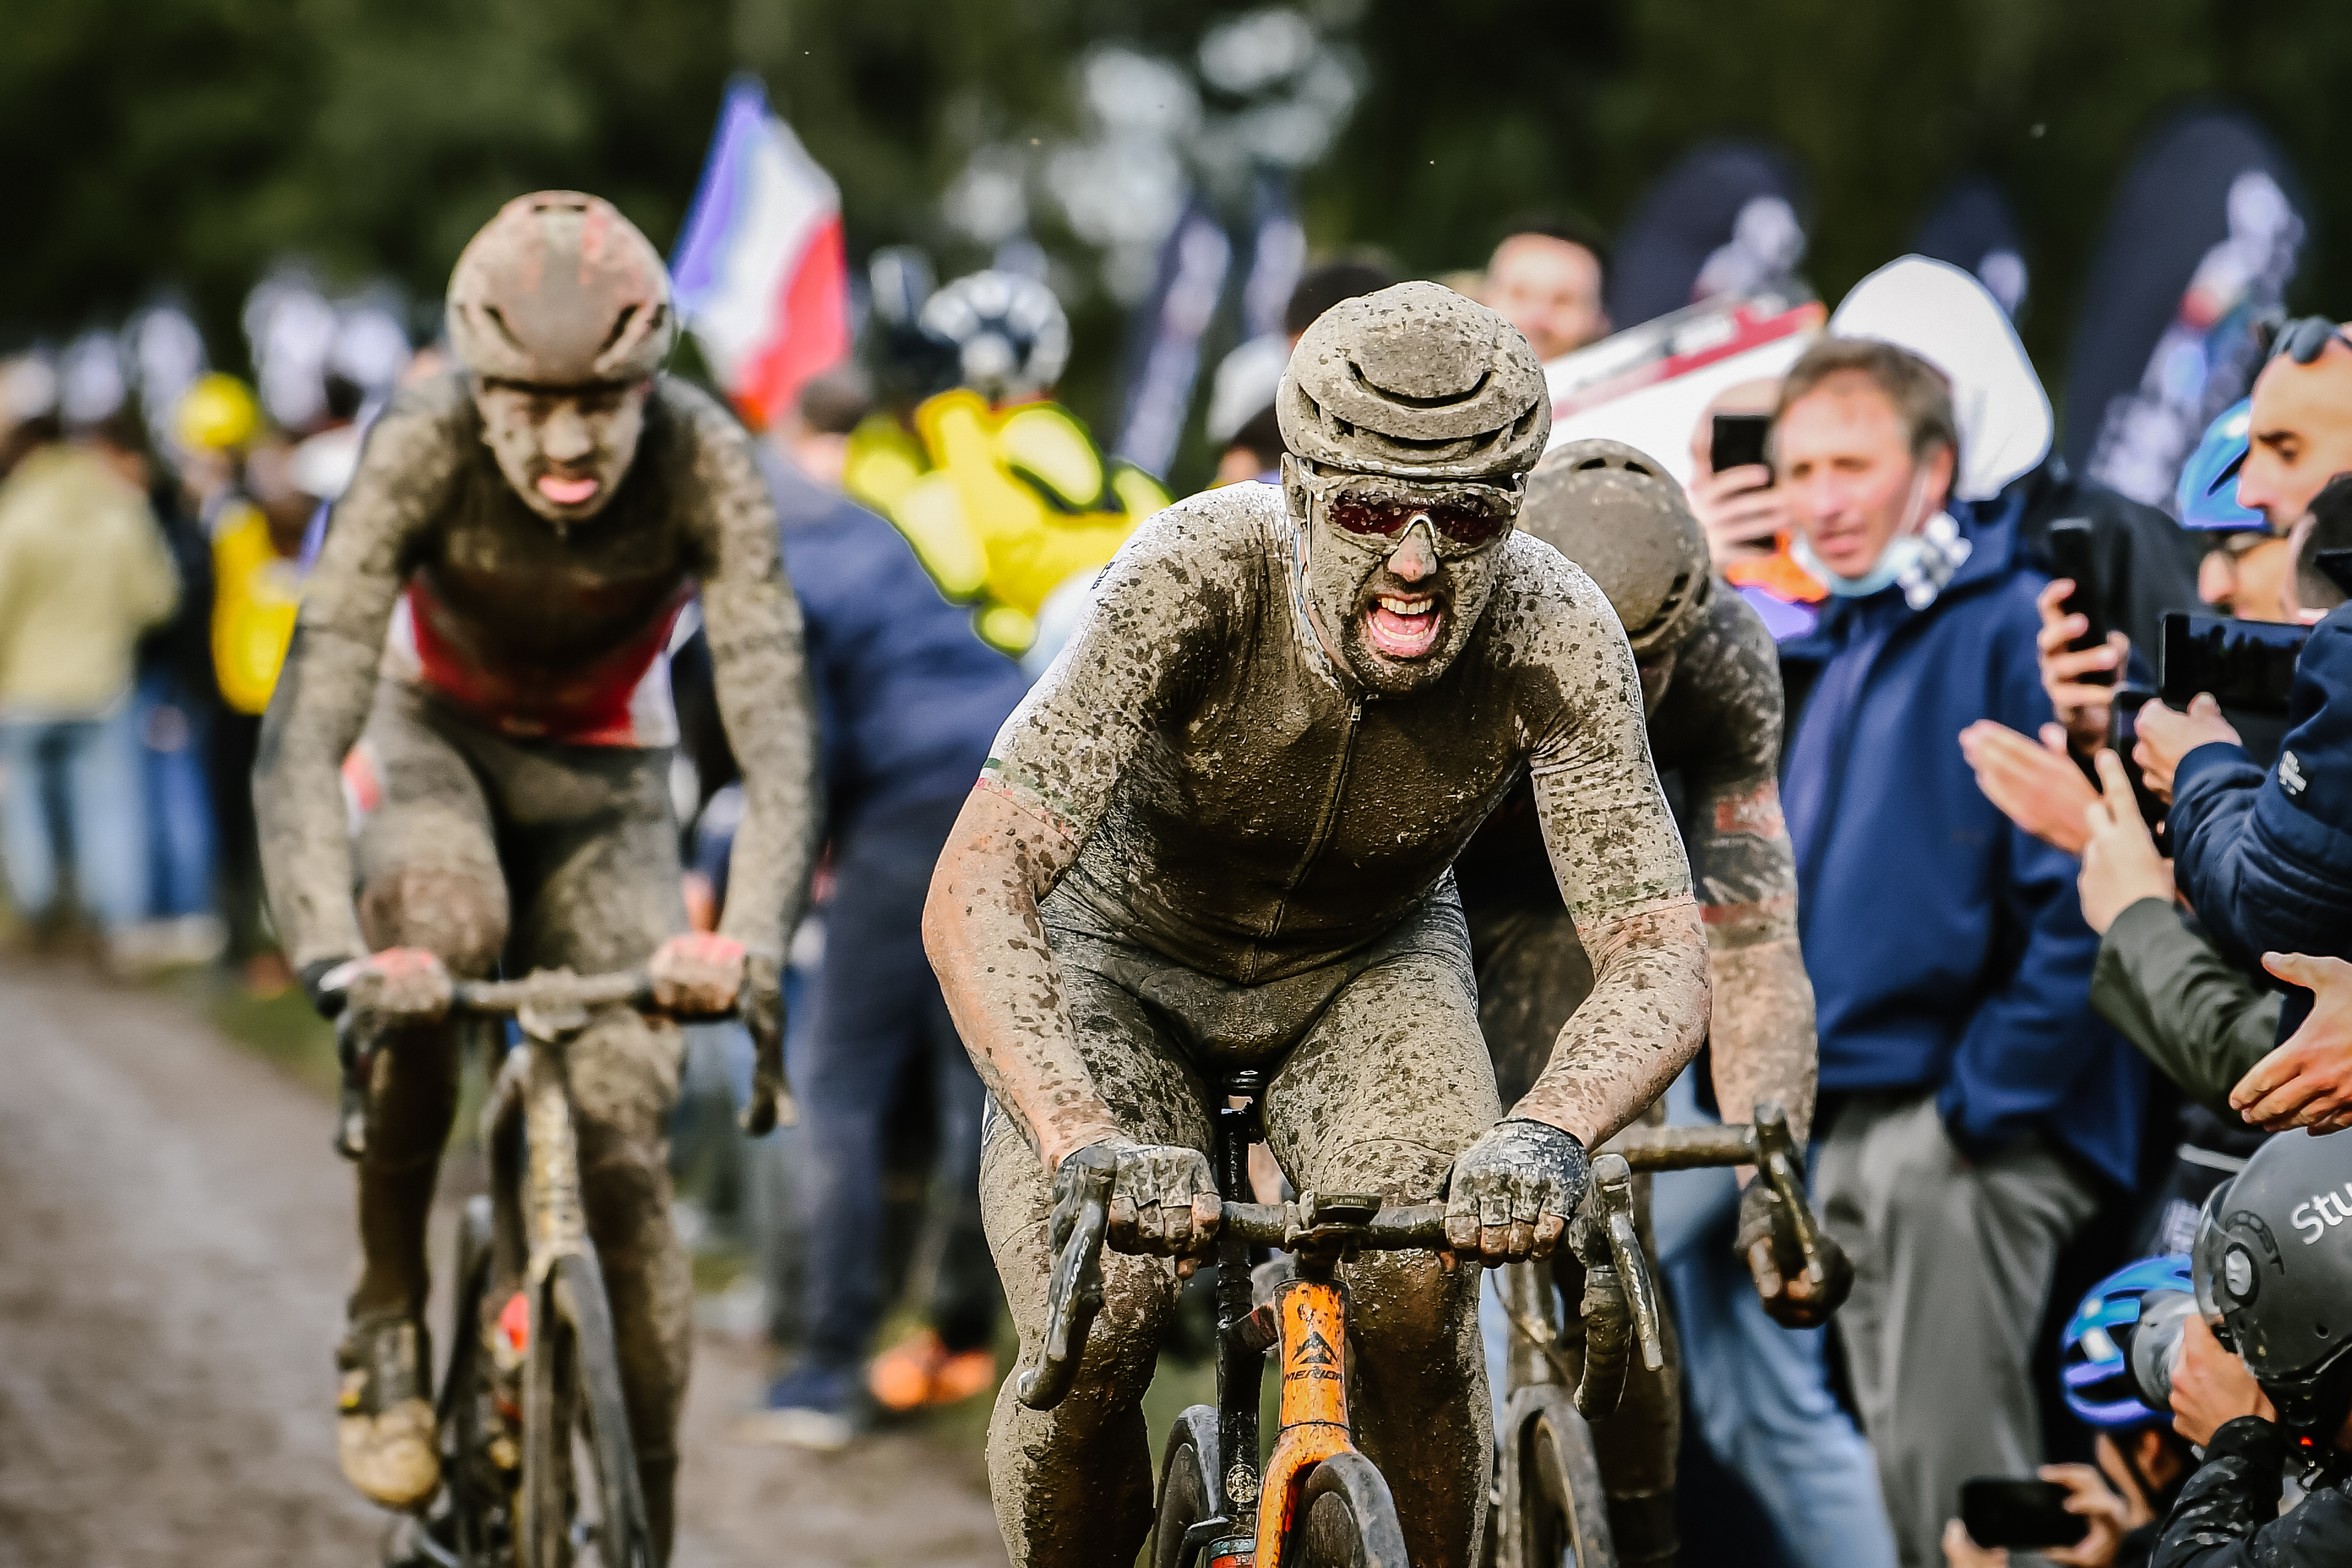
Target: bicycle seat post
column 1239, row 1369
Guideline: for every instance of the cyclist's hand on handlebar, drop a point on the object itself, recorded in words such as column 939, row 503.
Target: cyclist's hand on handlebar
column 398, row 985
column 698, row 973
column 1511, row 1195
column 1766, row 1242
column 1163, row 1199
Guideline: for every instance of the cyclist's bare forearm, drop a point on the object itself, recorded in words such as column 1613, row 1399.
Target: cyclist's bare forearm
column 987, row 942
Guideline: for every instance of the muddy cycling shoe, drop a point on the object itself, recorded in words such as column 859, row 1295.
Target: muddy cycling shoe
column 384, row 1433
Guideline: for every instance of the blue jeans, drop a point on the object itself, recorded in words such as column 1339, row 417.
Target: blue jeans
column 74, row 797
column 175, row 734
column 1761, row 1391
column 877, row 1017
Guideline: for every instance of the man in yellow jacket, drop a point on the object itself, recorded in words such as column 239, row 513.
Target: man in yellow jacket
column 83, row 572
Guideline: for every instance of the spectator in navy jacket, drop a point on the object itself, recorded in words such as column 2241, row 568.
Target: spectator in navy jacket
column 1973, row 1098
column 909, row 702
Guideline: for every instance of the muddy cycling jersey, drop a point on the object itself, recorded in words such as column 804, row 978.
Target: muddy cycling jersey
column 1237, row 806
column 435, row 574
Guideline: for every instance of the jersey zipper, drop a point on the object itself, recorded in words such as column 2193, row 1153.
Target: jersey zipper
column 1325, row 823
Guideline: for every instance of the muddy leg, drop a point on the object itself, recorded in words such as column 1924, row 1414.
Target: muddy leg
column 1073, row 1485
column 1390, row 1083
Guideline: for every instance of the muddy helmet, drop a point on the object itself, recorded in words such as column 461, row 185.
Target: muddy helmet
column 1615, row 511
column 1415, row 382
column 2272, row 1268
column 560, row 289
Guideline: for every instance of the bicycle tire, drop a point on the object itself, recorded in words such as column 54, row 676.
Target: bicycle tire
column 572, row 1385
column 1347, row 1518
column 1554, row 1513
column 468, row 1478
column 1191, row 1489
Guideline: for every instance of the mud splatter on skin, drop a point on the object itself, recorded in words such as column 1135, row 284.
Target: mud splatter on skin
column 491, row 847
column 1194, row 849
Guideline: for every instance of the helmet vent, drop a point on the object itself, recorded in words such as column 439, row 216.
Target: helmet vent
column 1590, row 463
column 620, row 327
column 498, row 320
column 1444, row 400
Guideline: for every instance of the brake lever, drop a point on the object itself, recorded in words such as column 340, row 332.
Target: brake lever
column 357, row 1065
column 1073, row 1294
column 1777, row 1161
column 1613, row 1180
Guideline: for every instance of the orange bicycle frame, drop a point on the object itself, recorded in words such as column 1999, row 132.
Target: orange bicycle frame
column 1312, row 1316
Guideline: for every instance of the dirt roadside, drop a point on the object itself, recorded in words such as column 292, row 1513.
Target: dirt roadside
column 175, row 1242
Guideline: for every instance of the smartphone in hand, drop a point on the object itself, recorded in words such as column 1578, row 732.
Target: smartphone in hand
column 2019, row 1515
column 2072, row 556
column 1738, row 441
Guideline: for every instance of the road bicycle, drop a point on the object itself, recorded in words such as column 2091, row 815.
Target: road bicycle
column 1551, row 1509
column 1319, row 1502
column 538, row 1467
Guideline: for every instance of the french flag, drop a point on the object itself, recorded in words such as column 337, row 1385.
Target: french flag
column 761, row 276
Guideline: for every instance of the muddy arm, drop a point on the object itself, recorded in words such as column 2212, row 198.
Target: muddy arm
column 406, row 473
column 1620, row 864
column 760, row 671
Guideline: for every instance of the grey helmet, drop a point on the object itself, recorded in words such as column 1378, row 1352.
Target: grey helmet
column 1615, row 511
column 2271, row 1264
column 1415, row 382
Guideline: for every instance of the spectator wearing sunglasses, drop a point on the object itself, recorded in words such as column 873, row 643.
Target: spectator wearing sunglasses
column 1973, row 1103
column 2300, row 433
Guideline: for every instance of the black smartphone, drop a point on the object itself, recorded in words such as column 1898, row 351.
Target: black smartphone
column 1738, row 441
column 2246, row 665
column 2070, row 556
column 2019, row 1515
column 2122, row 734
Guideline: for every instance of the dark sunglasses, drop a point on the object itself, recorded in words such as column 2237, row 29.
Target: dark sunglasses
column 1467, row 516
column 2305, row 338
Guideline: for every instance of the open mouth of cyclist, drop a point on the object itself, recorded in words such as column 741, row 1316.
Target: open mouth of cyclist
column 1403, row 626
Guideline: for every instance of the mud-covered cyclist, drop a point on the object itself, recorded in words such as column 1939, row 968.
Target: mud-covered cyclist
column 482, row 639
column 1711, row 685
column 1218, row 834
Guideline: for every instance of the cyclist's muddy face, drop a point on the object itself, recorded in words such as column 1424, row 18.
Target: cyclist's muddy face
column 563, row 449
column 1395, row 578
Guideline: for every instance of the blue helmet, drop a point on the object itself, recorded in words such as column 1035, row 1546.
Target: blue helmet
column 2206, row 495
column 2095, row 1360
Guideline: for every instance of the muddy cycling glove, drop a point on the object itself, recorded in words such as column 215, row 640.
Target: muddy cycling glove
column 1163, row 1199
column 1511, row 1194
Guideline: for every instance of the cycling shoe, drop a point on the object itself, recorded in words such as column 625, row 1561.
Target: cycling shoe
column 385, row 1431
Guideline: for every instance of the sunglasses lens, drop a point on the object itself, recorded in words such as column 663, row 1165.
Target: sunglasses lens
column 1376, row 518
column 1470, row 525
column 2307, row 339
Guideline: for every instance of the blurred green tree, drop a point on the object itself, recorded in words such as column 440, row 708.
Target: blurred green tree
column 188, row 142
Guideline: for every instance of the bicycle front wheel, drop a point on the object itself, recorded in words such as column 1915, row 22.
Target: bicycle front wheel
column 1554, row 1513
column 1191, row 1487
column 1347, row 1518
column 582, row 1500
